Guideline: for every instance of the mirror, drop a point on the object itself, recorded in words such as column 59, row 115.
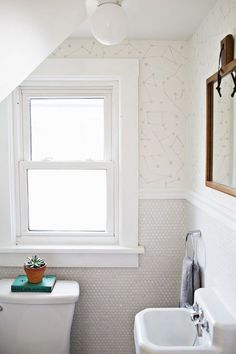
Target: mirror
column 224, row 146
column 221, row 132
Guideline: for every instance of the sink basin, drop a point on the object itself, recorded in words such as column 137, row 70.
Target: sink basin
column 170, row 330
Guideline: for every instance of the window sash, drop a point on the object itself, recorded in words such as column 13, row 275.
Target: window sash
column 108, row 166
column 27, row 95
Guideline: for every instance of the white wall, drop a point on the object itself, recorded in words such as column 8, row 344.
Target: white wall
column 216, row 253
column 6, row 221
column 29, row 32
column 211, row 211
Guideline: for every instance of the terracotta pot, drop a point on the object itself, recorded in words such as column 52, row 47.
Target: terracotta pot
column 35, row 275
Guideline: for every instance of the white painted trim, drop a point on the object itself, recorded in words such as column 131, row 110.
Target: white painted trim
column 123, row 73
column 7, row 189
column 80, row 256
column 162, row 194
column 11, row 171
column 28, row 92
column 63, row 260
column 67, row 165
column 212, row 207
column 53, row 249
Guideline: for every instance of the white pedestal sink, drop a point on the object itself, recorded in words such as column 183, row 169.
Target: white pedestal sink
column 163, row 331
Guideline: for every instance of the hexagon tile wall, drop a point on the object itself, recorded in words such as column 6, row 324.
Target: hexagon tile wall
column 110, row 297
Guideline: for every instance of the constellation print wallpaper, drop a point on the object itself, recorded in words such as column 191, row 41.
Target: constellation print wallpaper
column 162, row 103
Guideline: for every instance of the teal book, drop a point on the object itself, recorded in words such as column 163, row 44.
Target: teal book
column 21, row 284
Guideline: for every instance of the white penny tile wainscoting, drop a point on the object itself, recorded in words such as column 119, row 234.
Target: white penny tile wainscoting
column 110, row 297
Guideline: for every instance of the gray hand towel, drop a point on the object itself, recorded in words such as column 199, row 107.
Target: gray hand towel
column 191, row 281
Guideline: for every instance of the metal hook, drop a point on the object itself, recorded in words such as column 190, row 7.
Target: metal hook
column 234, row 80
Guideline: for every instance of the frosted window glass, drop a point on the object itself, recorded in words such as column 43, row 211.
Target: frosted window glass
column 67, row 200
column 64, row 129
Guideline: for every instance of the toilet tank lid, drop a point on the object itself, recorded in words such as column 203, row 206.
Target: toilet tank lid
column 64, row 292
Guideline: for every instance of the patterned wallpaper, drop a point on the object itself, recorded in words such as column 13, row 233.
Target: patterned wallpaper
column 163, row 95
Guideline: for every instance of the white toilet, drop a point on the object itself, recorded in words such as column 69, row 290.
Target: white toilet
column 36, row 323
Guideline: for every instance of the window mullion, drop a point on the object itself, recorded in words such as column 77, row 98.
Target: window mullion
column 66, row 165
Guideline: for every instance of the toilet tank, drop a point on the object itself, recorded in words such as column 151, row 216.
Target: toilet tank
column 36, row 323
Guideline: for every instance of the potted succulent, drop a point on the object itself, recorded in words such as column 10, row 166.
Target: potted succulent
column 35, row 268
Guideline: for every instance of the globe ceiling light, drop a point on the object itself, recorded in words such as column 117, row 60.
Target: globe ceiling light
column 109, row 22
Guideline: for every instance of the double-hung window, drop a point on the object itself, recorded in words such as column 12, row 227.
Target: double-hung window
column 68, row 162
column 75, row 163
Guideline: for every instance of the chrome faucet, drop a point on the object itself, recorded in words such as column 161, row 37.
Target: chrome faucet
column 198, row 318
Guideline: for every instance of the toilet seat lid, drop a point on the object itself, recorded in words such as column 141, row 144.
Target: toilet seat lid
column 64, row 292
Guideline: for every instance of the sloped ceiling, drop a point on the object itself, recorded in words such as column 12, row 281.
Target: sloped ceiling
column 29, row 31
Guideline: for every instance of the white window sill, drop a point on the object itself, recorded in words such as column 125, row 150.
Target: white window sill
column 73, row 256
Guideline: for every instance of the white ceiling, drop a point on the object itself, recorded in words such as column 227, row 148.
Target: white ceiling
column 160, row 19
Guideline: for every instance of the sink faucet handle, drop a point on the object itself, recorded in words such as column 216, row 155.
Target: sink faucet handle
column 205, row 324
column 197, row 313
column 199, row 320
column 195, row 307
column 195, row 317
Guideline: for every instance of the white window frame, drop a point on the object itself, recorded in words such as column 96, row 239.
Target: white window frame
column 24, row 163
column 123, row 73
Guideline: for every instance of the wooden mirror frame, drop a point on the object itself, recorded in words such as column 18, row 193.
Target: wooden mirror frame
column 225, row 70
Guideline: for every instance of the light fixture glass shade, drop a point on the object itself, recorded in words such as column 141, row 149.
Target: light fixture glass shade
column 109, row 24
